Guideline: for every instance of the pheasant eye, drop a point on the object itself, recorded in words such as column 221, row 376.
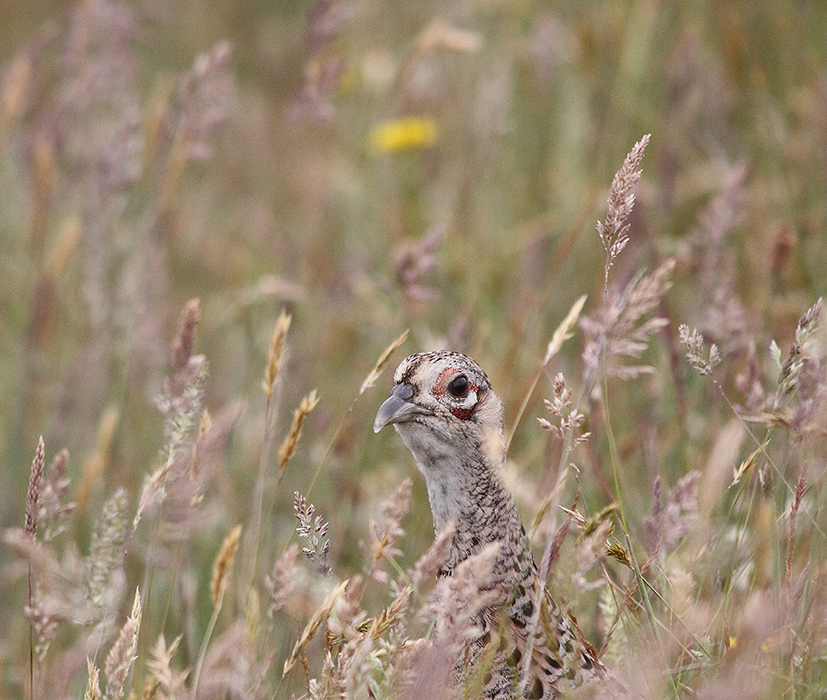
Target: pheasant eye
column 459, row 386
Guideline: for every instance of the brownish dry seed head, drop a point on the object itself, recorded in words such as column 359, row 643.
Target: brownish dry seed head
column 35, row 485
column 95, row 466
column 124, row 651
column 618, row 551
column 224, row 564
column 184, row 340
column 288, row 447
column 275, row 356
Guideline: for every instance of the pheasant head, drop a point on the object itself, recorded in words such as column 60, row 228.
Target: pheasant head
column 446, row 413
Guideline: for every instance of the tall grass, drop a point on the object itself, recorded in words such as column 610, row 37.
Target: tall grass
column 295, row 189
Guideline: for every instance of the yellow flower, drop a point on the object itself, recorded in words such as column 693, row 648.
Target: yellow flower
column 404, row 134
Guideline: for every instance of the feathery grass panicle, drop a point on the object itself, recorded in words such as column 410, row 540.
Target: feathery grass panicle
column 35, row 487
column 93, row 685
column 30, row 529
column 314, row 532
column 456, row 600
column 196, row 464
column 201, row 101
column 123, row 652
column 223, row 565
column 275, row 355
column 106, row 553
column 435, row 556
column 170, row 682
column 53, row 512
column 413, row 260
column 181, row 392
column 382, row 362
column 614, row 229
column 793, row 365
column 180, row 401
column 622, row 328
column 313, row 625
column 288, row 447
column 722, row 313
column 281, row 583
column 567, row 422
column 696, row 352
column 386, row 530
column 671, row 521
column 453, row 607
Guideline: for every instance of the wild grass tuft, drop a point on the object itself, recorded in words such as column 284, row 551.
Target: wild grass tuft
column 203, row 220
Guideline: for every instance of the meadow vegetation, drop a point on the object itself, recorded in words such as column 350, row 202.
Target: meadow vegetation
column 222, row 225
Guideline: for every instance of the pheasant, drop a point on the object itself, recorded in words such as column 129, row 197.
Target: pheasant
column 446, row 413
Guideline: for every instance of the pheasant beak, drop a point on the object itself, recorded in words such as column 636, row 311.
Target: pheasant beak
column 398, row 408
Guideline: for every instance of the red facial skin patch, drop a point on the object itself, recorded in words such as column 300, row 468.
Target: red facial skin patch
column 461, row 412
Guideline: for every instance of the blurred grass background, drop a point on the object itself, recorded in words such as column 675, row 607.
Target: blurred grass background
column 262, row 184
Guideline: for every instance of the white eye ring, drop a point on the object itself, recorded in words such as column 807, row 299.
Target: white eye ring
column 467, row 401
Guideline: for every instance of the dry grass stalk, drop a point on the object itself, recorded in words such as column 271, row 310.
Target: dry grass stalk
column 275, row 355
column 123, row 652
column 313, row 626
column 614, row 229
column 801, row 488
column 223, row 565
column 382, row 362
column 564, row 331
column 288, row 447
column 454, row 606
column 218, row 586
column 747, row 465
column 30, row 529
